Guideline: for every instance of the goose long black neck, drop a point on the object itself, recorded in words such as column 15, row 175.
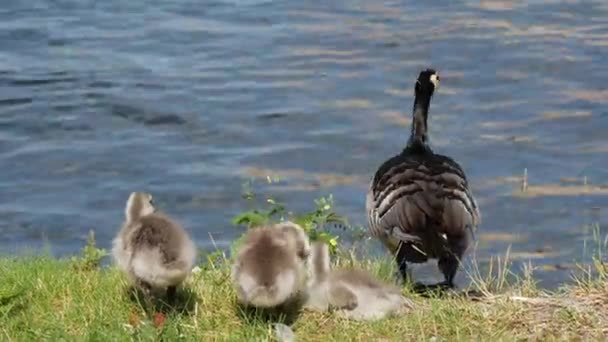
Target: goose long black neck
column 419, row 136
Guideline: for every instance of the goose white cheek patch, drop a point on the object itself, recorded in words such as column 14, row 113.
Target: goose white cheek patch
column 435, row 80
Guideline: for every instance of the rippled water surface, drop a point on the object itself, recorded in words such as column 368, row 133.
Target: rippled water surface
column 189, row 99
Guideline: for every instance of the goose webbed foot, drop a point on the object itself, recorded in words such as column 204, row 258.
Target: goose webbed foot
column 427, row 290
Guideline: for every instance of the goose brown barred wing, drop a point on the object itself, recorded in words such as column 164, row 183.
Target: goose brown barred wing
column 414, row 193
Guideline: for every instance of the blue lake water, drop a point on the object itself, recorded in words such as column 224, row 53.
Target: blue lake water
column 189, row 99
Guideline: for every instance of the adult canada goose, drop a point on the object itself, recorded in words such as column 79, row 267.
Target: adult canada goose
column 154, row 251
column 419, row 203
column 354, row 293
column 270, row 266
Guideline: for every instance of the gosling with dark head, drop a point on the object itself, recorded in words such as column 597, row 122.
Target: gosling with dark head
column 419, row 203
column 353, row 293
column 154, row 251
column 270, row 266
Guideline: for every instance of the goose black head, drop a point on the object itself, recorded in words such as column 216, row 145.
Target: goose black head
column 427, row 82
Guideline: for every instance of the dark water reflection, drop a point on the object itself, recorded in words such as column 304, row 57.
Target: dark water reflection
column 188, row 100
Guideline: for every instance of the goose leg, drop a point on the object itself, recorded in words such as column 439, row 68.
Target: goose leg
column 401, row 264
column 144, row 286
column 146, row 289
column 171, row 290
column 449, row 263
column 448, row 266
column 409, row 252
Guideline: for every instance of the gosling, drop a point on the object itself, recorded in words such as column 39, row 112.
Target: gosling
column 270, row 267
column 352, row 293
column 153, row 250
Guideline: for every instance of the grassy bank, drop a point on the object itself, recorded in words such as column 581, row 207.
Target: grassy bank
column 43, row 298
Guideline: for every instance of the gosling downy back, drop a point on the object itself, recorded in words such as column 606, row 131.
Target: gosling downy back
column 270, row 266
column 354, row 293
column 151, row 248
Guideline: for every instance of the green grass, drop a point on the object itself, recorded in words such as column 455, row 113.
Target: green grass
column 43, row 298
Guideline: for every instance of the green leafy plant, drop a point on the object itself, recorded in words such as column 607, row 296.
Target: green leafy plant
column 313, row 222
column 257, row 217
column 91, row 255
